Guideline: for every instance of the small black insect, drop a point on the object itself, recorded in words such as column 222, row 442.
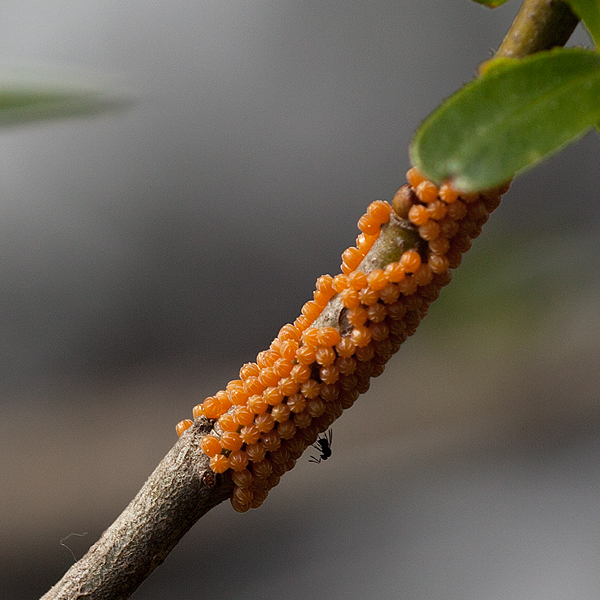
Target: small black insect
column 323, row 445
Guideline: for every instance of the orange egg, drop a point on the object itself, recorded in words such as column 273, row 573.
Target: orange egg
column 311, row 310
column 345, row 347
column 271, row 440
column 238, row 460
column 306, row 355
column 328, row 336
column 379, row 331
column 376, row 313
column 301, row 323
column 231, row 440
column 449, row 227
column 227, row 422
column 423, row 275
column 340, row 283
column 302, row 420
column 310, row 337
column 407, row 286
column 350, row 298
column 238, row 395
column 389, row 294
column 266, row 358
column 315, row 407
column 288, row 349
column 365, row 242
column 273, row 396
column 361, row 336
column 395, row 272
column 253, row 386
column 219, row 463
column 288, row 332
column 330, row 391
column 429, row 231
column 257, row 404
column 357, row 280
column 418, row 214
column 287, row 430
column 457, row 210
column 268, row 377
column 352, row 257
column 329, row 374
column 368, row 225
column 325, row 356
column 280, row 456
column 325, row 284
column 357, row 316
column 300, row 373
column 255, row 452
column 250, row 434
column 346, row 365
column 439, row 246
column 368, row 296
column 410, row 261
column 377, row 279
column 280, row 413
column 239, row 506
column 364, row 354
column 275, row 345
column 288, row 386
column 415, row 177
column 296, row 403
column 265, row 422
column 211, row 408
column 211, row 445
column 243, row 415
column 224, row 400
column 243, row 494
column 379, row 211
column 249, row 370
column 183, row 426
column 262, row 469
column 310, row 388
column 437, row 210
column 349, row 398
column 321, row 299
column 438, row 264
column 448, row 194
column 426, row 191
column 242, row 478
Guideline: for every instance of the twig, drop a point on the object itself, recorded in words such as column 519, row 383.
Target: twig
column 183, row 487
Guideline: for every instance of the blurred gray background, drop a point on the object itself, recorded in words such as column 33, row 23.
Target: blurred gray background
column 146, row 254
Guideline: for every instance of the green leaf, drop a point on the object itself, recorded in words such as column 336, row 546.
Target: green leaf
column 497, row 62
column 491, row 3
column 510, row 118
column 589, row 12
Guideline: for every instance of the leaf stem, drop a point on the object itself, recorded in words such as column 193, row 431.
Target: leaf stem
column 539, row 25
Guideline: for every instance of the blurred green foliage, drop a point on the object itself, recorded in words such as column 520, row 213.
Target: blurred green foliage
column 29, row 102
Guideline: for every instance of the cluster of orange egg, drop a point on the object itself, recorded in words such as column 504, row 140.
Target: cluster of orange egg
column 264, row 420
